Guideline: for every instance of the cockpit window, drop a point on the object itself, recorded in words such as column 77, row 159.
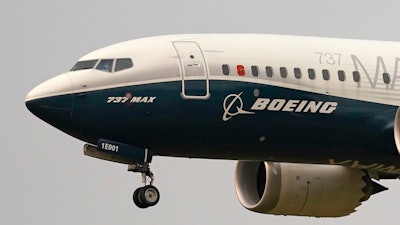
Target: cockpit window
column 122, row 64
column 105, row 65
column 84, row 65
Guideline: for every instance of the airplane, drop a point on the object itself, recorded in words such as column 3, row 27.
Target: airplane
column 313, row 122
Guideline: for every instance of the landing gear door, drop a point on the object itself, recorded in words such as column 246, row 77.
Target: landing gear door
column 194, row 70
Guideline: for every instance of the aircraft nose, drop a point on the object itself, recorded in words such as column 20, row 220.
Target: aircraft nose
column 55, row 86
column 51, row 101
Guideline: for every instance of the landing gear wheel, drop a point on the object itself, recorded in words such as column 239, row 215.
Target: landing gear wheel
column 149, row 195
column 137, row 199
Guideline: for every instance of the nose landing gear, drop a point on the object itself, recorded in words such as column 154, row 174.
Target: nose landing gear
column 138, row 160
column 148, row 195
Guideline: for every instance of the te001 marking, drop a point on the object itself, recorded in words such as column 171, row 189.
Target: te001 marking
column 109, row 147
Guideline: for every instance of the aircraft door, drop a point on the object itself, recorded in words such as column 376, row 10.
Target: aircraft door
column 194, row 70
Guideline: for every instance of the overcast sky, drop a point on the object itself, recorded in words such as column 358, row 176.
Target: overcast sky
column 46, row 179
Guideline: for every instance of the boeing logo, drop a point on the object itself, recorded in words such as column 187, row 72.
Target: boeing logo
column 229, row 102
column 233, row 106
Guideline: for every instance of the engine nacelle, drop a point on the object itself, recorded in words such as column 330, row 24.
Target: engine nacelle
column 397, row 129
column 301, row 189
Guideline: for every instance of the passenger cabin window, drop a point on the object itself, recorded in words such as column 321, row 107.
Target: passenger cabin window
column 297, row 73
column 325, row 74
column 105, row 65
column 122, row 64
column 311, row 74
column 283, row 71
column 84, row 65
column 356, row 76
column 386, row 78
column 254, row 71
column 269, row 71
column 225, row 69
column 341, row 75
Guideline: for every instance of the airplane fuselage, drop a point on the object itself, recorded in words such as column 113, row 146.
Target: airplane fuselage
column 247, row 97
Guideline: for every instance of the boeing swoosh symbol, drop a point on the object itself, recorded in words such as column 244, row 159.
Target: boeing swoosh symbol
column 229, row 101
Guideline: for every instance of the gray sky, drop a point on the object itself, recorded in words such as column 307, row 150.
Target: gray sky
column 46, row 179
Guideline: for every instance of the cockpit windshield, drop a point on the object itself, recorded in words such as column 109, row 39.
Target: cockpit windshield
column 106, row 65
column 122, row 64
column 84, row 65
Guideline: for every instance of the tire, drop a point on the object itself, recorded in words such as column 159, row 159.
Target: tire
column 137, row 200
column 149, row 195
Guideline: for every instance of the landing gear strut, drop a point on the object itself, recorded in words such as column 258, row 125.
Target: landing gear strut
column 148, row 195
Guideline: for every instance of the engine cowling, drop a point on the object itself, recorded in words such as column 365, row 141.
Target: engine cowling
column 397, row 129
column 301, row 189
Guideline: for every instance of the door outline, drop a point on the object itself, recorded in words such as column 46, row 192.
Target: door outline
column 190, row 55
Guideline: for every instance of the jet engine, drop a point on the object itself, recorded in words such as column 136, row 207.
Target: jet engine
column 302, row 189
column 397, row 130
